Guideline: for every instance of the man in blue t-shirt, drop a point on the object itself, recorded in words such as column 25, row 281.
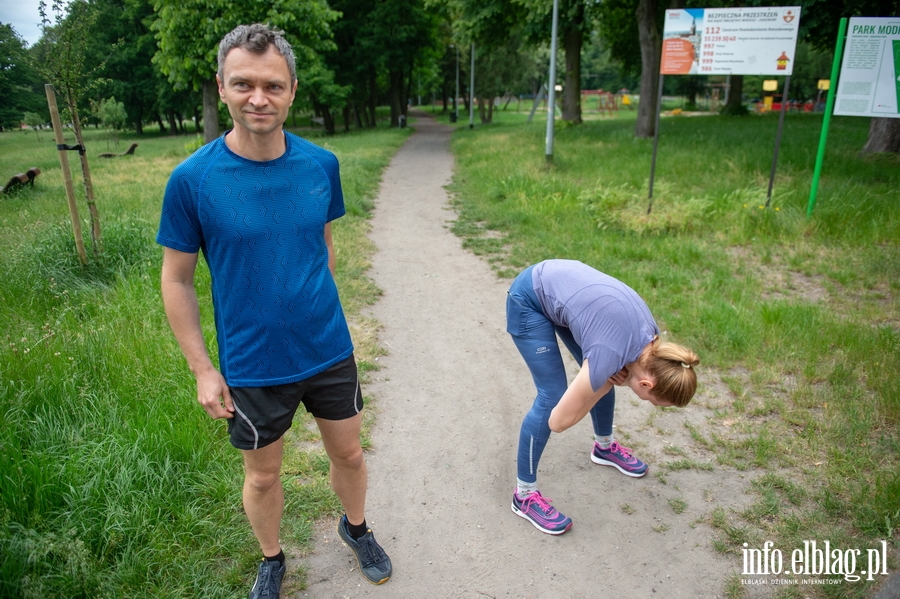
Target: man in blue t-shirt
column 258, row 203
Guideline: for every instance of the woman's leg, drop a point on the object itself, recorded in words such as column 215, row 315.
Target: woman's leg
column 549, row 375
column 535, row 338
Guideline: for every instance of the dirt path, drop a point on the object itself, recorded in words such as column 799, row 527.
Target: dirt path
column 450, row 399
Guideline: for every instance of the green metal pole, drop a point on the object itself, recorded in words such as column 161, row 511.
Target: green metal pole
column 829, row 106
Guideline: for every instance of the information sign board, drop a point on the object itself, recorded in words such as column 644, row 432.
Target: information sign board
column 736, row 41
column 870, row 70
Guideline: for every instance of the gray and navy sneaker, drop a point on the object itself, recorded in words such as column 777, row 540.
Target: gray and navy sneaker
column 374, row 563
column 620, row 458
column 268, row 580
column 537, row 509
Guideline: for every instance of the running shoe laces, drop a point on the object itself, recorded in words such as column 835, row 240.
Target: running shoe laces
column 537, row 509
column 619, row 457
column 374, row 564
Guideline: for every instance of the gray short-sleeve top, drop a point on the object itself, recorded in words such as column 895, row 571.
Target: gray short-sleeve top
column 607, row 318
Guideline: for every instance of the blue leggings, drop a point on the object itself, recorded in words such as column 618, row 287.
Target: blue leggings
column 535, row 338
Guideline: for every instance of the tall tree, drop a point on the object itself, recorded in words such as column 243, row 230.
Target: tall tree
column 819, row 24
column 576, row 21
column 399, row 31
column 17, row 81
column 130, row 74
column 651, row 44
column 61, row 58
column 632, row 31
column 189, row 31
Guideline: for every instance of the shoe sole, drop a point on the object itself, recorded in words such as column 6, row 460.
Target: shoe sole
column 358, row 564
column 522, row 514
column 603, row 462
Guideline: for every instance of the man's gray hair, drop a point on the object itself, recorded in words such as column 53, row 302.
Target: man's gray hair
column 257, row 38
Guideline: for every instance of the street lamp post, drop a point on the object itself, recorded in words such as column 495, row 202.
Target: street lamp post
column 551, row 92
column 472, row 90
column 456, row 97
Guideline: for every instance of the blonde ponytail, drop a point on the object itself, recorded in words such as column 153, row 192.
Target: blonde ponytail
column 672, row 368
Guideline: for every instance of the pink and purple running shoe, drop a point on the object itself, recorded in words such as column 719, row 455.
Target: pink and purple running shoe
column 537, row 509
column 619, row 457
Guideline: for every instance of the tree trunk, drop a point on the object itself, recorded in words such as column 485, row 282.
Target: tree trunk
column 884, row 136
column 373, row 91
column 650, row 50
column 173, row 124
column 407, row 96
column 325, row 112
column 210, row 111
column 572, row 41
column 162, row 126
column 395, row 78
column 735, row 103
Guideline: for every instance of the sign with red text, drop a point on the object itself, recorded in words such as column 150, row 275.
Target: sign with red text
column 870, row 70
column 730, row 41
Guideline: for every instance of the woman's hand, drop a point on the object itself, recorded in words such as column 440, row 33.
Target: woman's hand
column 618, row 378
column 577, row 401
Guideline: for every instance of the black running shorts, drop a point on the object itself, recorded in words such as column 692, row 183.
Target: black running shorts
column 263, row 414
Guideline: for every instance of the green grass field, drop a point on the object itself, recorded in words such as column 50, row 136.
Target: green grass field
column 799, row 319
column 113, row 482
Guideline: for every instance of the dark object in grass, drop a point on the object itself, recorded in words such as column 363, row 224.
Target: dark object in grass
column 19, row 181
column 127, row 152
column 738, row 110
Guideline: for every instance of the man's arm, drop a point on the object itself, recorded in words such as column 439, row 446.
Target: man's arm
column 329, row 243
column 577, row 401
column 183, row 312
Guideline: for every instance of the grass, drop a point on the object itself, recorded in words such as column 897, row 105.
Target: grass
column 112, row 481
column 797, row 318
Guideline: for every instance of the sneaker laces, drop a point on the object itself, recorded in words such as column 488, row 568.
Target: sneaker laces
column 543, row 503
column 264, row 578
column 373, row 550
column 620, row 449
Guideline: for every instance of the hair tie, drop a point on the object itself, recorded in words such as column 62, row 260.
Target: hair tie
column 685, row 365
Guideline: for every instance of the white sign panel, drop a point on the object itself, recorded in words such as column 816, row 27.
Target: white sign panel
column 870, row 71
column 737, row 41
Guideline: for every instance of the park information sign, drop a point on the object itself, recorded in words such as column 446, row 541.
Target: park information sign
column 736, row 41
column 870, row 71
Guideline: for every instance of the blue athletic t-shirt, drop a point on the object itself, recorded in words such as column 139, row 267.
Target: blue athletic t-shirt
column 260, row 227
column 608, row 319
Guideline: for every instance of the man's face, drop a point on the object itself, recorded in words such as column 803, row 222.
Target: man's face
column 257, row 90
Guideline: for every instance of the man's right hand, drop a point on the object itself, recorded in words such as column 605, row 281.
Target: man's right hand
column 214, row 395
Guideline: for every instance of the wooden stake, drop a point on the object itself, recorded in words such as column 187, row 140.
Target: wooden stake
column 67, row 175
column 86, row 177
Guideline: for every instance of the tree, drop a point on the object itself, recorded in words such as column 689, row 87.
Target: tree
column 627, row 25
column 599, row 71
column 129, row 72
column 112, row 115
column 35, row 121
column 17, row 80
column 399, row 31
column 576, row 20
column 651, row 44
column 189, row 32
column 819, row 25
column 61, row 60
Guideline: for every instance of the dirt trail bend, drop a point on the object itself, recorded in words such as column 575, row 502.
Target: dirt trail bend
column 450, row 398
